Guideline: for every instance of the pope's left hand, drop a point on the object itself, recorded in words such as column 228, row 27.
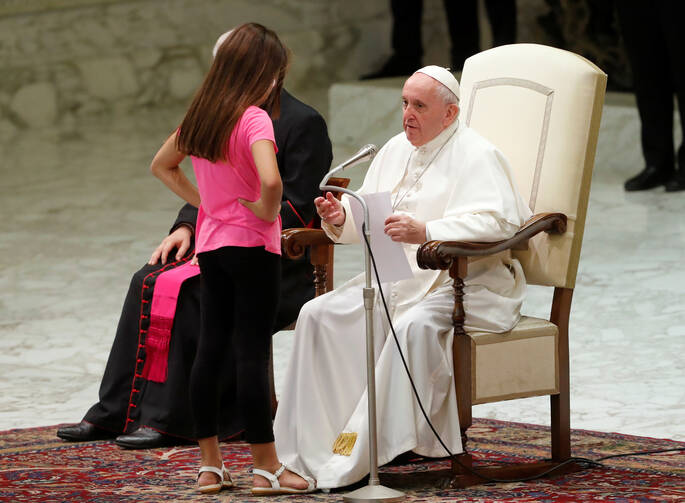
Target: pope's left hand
column 405, row 229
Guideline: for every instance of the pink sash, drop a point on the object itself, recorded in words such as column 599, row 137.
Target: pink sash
column 162, row 311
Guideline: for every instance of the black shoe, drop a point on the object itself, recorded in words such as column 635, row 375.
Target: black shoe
column 677, row 182
column 394, row 67
column 147, row 438
column 83, row 432
column 648, row 178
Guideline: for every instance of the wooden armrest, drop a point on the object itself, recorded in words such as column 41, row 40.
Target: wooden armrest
column 295, row 241
column 439, row 254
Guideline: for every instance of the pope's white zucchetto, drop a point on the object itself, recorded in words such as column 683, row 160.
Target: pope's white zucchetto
column 442, row 75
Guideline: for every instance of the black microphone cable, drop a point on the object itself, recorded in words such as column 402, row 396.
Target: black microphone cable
column 583, row 461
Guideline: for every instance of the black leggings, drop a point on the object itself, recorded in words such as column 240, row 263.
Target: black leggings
column 240, row 289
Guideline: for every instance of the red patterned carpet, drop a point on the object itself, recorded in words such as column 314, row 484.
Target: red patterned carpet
column 37, row 466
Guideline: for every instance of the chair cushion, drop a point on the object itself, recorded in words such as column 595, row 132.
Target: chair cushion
column 515, row 364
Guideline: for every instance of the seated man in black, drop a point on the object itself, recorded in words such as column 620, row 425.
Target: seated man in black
column 142, row 413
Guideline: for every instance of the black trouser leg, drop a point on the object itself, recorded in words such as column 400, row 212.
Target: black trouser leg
column 502, row 15
column 647, row 51
column 462, row 21
column 672, row 18
column 164, row 405
column 118, row 380
column 240, row 288
column 406, row 31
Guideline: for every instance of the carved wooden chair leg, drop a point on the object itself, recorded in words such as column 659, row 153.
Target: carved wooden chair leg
column 461, row 354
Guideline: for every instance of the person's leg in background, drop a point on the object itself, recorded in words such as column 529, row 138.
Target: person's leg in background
column 672, row 19
column 646, row 49
column 407, row 45
column 502, row 16
column 462, row 22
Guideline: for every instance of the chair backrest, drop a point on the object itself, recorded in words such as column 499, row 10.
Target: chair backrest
column 541, row 107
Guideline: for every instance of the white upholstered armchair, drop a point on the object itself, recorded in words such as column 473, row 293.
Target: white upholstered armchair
column 542, row 107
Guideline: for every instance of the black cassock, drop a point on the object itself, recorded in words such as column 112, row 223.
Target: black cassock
column 127, row 400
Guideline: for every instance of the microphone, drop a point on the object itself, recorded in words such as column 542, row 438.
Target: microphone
column 366, row 153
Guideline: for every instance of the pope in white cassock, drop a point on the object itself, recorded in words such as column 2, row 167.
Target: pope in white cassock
column 446, row 183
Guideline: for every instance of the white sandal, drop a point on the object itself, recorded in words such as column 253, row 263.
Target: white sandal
column 276, row 487
column 225, row 480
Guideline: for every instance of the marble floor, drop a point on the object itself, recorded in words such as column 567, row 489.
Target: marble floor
column 81, row 212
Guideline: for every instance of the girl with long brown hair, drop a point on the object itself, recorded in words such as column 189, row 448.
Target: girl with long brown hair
column 229, row 135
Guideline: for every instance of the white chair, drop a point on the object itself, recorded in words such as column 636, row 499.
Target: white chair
column 541, row 107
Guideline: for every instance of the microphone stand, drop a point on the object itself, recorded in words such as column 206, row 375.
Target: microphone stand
column 374, row 491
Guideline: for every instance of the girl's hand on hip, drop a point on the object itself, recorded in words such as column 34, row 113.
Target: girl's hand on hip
column 260, row 210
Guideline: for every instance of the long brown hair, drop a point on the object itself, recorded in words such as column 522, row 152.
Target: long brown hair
column 248, row 69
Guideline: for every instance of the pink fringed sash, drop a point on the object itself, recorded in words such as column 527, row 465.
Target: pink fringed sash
column 162, row 311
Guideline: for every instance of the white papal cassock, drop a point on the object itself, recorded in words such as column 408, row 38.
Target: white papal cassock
column 462, row 187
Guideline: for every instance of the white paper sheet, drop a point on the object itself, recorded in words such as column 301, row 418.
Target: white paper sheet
column 390, row 258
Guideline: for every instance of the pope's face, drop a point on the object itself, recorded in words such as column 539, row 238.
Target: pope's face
column 425, row 114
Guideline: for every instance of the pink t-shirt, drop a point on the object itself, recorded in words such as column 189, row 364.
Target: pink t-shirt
column 222, row 220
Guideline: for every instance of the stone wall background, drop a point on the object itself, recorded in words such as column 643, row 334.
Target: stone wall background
column 63, row 62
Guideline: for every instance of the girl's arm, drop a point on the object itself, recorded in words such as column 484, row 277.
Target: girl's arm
column 165, row 167
column 269, row 203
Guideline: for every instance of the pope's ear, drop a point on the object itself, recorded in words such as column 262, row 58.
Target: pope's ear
column 452, row 112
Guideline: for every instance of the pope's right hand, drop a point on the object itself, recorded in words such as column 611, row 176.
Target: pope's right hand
column 330, row 209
